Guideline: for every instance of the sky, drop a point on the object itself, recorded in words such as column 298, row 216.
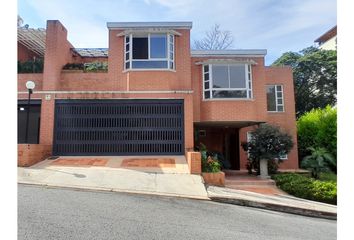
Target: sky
column 276, row 25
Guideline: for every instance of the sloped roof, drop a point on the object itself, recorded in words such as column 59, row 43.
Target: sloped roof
column 91, row 52
column 328, row 35
column 33, row 39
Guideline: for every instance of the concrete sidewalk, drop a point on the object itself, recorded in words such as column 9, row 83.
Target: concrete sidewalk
column 118, row 179
column 277, row 202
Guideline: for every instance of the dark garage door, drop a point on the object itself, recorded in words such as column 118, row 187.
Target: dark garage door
column 118, row 127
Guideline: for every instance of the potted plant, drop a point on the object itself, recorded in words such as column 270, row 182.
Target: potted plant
column 211, row 168
column 265, row 147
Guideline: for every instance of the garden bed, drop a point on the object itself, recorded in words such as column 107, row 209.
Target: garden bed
column 215, row 179
column 302, row 186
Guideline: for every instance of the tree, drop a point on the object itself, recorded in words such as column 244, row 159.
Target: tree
column 267, row 142
column 315, row 77
column 215, row 39
column 319, row 161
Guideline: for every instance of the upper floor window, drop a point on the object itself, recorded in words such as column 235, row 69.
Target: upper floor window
column 275, row 99
column 149, row 51
column 227, row 81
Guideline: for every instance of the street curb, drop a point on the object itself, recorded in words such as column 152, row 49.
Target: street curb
column 276, row 207
column 112, row 190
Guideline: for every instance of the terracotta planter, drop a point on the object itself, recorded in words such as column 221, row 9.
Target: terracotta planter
column 216, row 179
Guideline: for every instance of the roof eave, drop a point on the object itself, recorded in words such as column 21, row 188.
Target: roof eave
column 141, row 25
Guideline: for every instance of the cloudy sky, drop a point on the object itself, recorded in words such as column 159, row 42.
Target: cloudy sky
column 275, row 25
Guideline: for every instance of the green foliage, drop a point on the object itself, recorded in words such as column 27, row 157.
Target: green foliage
column 319, row 161
column 209, row 162
column 96, row 66
column 267, row 142
column 315, row 77
column 30, row 66
column 318, row 129
column 308, row 188
column 87, row 67
column 74, row 66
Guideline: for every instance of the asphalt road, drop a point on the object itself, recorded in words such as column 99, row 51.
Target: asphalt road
column 47, row 213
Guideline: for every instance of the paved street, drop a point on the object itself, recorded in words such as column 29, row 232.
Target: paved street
column 45, row 213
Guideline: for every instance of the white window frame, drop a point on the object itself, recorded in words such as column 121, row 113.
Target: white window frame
column 248, row 81
column 276, row 97
column 170, row 48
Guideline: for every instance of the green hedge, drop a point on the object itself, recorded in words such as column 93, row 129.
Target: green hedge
column 317, row 128
column 305, row 187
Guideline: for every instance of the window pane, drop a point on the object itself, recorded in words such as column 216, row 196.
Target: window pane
column 207, row 94
column 280, row 109
column 149, row 64
column 280, row 101
column 127, row 38
column 206, row 85
column 171, row 65
column 158, row 46
column 237, row 76
column 126, row 47
column 127, row 56
column 220, row 76
column 230, row 94
column 206, row 76
column 206, row 68
column 271, row 98
column 140, row 48
column 279, row 94
column 127, row 65
column 278, row 88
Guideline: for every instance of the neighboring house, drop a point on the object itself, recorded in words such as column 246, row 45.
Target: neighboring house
column 158, row 96
column 328, row 41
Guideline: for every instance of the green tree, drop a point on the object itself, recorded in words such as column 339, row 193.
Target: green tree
column 315, row 77
column 267, row 142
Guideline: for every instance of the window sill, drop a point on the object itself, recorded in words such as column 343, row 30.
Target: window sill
column 149, row 70
column 229, row 99
column 274, row 112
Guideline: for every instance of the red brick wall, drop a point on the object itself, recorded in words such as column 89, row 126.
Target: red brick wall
column 150, row 80
column 230, row 110
column 30, row 154
column 22, row 78
column 24, row 54
column 57, row 54
column 194, row 162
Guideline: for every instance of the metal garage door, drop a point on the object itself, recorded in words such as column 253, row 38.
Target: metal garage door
column 118, row 127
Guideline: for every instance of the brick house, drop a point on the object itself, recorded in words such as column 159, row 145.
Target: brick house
column 158, row 97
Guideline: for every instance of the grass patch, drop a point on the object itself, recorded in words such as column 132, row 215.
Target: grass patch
column 302, row 186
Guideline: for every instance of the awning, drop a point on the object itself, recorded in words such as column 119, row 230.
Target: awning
column 227, row 124
column 227, row 61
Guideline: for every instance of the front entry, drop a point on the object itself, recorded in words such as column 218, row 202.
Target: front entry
column 222, row 141
column 118, row 127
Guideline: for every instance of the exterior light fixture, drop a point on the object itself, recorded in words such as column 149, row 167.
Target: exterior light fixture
column 30, row 85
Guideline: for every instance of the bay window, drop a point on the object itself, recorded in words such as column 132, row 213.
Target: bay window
column 149, row 51
column 227, row 81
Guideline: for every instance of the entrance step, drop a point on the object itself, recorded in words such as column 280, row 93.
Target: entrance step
column 250, row 182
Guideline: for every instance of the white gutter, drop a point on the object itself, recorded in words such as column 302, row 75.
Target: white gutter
column 125, row 25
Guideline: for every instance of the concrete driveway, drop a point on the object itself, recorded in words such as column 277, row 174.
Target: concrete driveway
column 151, row 175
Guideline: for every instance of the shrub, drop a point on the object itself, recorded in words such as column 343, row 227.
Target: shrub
column 74, row 66
column 30, row 66
column 319, row 161
column 318, row 128
column 305, row 187
column 95, row 66
column 267, row 142
column 210, row 162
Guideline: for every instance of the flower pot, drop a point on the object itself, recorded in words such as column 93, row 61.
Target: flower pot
column 215, row 179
